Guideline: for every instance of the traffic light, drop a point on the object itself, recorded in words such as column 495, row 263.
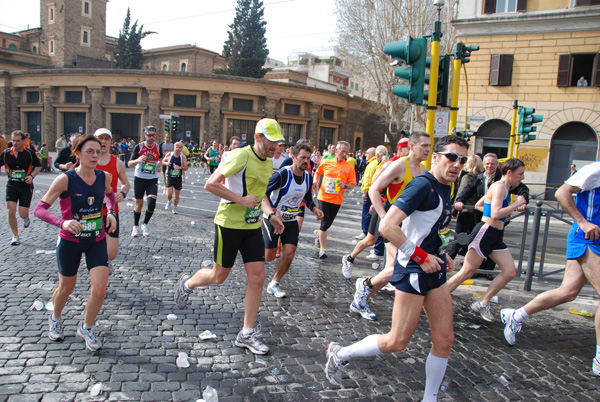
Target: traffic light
column 168, row 126
column 463, row 52
column 467, row 134
column 443, row 77
column 174, row 126
column 526, row 119
column 413, row 53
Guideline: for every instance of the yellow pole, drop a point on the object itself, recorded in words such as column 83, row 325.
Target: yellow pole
column 455, row 93
column 513, row 129
column 433, row 81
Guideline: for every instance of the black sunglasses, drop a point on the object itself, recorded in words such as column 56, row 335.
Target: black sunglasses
column 453, row 157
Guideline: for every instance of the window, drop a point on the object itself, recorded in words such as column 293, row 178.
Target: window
column 86, row 9
column 291, row 110
column 329, row 114
column 126, row 98
column 356, row 86
column 501, row 67
column 291, row 133
column 34, row 50
column 73, row 96
column 183, row 67
column 51, row 47
column 583, row 3
column 243, row 105
column 572, row 67
column 84, row 37
column 12, row 47
column 51, row 15
column 165, row 67
column 184, row 100
column 504, row 6
column 242, row 128
column 325, row 137
column 32, row 97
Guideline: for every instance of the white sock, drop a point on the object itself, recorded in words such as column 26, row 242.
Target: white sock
column 520, row 315
column 435, row 369
column 247, row 332
column 186, row 287
column 273, row 283
column 363, row 348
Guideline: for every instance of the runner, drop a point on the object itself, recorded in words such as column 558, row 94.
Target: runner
column 22, row 165
column 65, row 158
column 279, row 156
column 164, row 147
column 288, row 188
column 583, row 254
column 113, row 165
column 393, row 179
column 176, row 163
column 424, row 210
column 213, row 156
column 486, row 237
column 333, row 177
column 146, row 158
column 238, row 226
column 82, row 191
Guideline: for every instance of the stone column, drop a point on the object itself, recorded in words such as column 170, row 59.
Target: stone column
column 271, row 107
column 312, row 129
column 49, row 126
column 14, row 114
column 97, row 119
column 214, row 118
column 344, row 132
column 153, row 117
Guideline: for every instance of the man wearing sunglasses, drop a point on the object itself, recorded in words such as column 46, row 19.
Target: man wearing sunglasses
column 392, row 178
column 146, row 159
column 424, row 210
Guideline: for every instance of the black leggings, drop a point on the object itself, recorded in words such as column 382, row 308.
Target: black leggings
column 329, row 213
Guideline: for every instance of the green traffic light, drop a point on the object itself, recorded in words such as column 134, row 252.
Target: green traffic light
column 526, row 119
column 412, row 52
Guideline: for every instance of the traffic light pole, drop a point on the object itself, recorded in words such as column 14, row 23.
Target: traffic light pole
column 433, row 83
column 513, row 130
column 455, row 93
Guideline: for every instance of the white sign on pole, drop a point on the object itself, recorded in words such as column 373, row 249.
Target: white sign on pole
column 188, row 134
column 165, row 116
column 244, row 137
column 476, row 118
column 441, row 126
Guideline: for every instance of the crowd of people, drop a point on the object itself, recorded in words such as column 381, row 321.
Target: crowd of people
column 265, row 189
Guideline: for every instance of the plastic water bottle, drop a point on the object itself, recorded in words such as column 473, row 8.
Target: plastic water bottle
column 377, row 265
column 210, row 394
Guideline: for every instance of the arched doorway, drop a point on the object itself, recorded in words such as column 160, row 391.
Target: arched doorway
column 493, row 136
column 573, row 142
column 357, row 144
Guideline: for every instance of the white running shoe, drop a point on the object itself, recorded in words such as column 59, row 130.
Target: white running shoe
column 596, row 366
column 389, row 288
column 175, row 210
column 334, row 366
column 364, row 311
column 92, row 342
column 511, row 326
column 322, row 254
column 484, row 311
column 275, row 290
column 145, row 230
column 56, row 330
column 374, row 257
column 135, row 232
column 346, row 267
column 167, row 205
column 360, row 236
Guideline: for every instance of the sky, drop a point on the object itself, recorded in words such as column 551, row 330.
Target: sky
column 291, row 24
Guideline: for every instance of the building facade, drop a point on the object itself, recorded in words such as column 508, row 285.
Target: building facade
column 534, row 52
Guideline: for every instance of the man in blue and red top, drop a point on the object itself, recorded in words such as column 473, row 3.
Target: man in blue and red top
column 146, row 158
column 424, row 209
column 22, row 165
column 583, row 254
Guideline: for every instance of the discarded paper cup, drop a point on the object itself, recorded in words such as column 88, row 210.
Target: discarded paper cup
column 96, row 390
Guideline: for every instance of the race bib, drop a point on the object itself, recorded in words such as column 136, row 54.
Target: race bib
column 289, row 213
column 149, row 167
column 445, row 236
column 17, row 175
column 175, row 173
column 331, row 185
column 252, row 214
column 92, row 226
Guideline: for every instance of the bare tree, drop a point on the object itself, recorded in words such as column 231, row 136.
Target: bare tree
column 365, row 26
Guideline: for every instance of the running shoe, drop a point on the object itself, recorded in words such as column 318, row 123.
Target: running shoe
column 484, row 311
column 389, row 288
column 56, row 329
column 362, row 292
column 89, row 336
column 135, row 232
column 181, row 293
column 322, row 254
column 374, row 257
column 334, row 366
column 167, row 205
column 145, row 230
column 252, row 343
column 596, row 366
column 364, row 311
column 360, row 236
column 346, row 267
column 275, row 290
column 26, row 222
column 511, row 326
column 175, row 210
column 15, row 241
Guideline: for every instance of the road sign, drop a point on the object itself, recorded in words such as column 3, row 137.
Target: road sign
column 476, row 118
column 441, row 126
column 173, row 114
column 165, row 116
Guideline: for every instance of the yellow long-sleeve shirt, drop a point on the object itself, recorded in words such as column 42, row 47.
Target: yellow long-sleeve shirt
column 372, row 168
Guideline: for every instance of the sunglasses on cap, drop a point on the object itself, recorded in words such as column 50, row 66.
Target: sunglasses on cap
column 452, row 157
column 149, row 128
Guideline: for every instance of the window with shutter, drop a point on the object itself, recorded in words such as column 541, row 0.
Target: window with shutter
column 596, row 79
column 521, row 6
column 564, row 70
column 501, row 67
column 495, row 69
column 489, row 7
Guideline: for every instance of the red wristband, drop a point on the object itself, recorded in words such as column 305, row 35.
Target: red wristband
column 419, row 256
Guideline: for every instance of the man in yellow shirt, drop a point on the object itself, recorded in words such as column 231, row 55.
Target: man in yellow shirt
column 365, row 183
column 333, row 176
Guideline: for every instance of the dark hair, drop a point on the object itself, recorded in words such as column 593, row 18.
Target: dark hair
column 300, row 147
column 440, row 145
column 511, row 164
column 82, row 140
column 18, row 133
column 235, row 137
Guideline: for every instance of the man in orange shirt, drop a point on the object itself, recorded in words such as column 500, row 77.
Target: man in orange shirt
column 333, row 176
